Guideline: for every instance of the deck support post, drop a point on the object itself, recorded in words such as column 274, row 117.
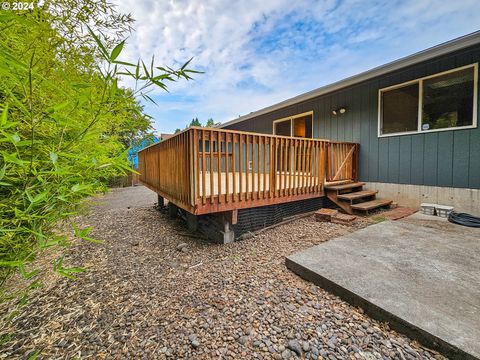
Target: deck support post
column 231, row 216
column 192, row 221
column 228, row 236
column 160, row 201
column 172, row 210
column 228, row 218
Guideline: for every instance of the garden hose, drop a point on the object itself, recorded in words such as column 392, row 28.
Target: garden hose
column 464, row 219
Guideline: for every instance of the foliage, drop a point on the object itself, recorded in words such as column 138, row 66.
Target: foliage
column 195, row 122
column 65, row 124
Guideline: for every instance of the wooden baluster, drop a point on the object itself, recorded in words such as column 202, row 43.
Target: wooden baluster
column 308, row 168
column 195, row 167
column 247, row 171
column 315, row 153
column 319, row 148
column 253, row 166
column 212, row 186
column 284, row 164
column 273, row 167
column 184, row 143
column 219, row 166
column 254, row 141
column 331, row 158
column 288, row 157
column 259, row 140
column 323, row 160
column 357, row 155
column 178, row 146
column 204, row 167
column 334, row 162
column 287, row 165
column 186, row 166
column 302, row 166
column 240, row 164
column 304, row 173
column 294, row 172
column 227, row 171
column 234, row 163
column 173, row 147
column 264, row 166
column 299, row 166
column 312, row 163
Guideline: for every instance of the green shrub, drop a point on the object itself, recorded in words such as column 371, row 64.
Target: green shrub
column 65, row 124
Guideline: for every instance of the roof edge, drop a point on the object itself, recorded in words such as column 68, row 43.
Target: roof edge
column 427, row 54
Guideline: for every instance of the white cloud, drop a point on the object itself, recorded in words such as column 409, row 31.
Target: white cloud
column 255, row 53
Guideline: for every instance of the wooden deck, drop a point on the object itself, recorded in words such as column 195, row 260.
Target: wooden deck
column 206, row 170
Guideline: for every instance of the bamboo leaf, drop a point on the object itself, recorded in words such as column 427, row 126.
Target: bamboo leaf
column 3, row 118
column 186, row 64
column 102, row 48
column 123, row 63
column 40, row 197
column 95, row 241
column 116, row 51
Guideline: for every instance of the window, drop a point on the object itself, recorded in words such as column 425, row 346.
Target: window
column 448, row 100
column 440, row 102
column 298, row 126
column 283, row 128
column 400, row 110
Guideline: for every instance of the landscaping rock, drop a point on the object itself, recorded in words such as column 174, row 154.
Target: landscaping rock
column 294, row 345
column 182, row 246
column 194, row 340
column 152, row 301
column 286, row 354
column 243, row 340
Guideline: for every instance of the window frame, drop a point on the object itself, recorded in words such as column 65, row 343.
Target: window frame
column 291, row 118
column 420, row 103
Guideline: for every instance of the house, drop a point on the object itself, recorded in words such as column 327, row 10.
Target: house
column 406, row 130
column 165, row 136
column 415, row 120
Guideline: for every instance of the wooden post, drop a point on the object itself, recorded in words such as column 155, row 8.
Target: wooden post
column 172, row 210
column 160, row 201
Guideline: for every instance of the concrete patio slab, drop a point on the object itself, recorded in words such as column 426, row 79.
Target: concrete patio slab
column 421, row 274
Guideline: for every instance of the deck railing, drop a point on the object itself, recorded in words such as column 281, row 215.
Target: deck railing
column 206, row 170
column 342, row 161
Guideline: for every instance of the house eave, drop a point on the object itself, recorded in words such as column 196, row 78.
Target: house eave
column 424, row 55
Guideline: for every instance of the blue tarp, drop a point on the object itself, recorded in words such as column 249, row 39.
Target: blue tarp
column 133, row 152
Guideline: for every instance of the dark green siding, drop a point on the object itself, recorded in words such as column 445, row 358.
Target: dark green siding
column 446, row 158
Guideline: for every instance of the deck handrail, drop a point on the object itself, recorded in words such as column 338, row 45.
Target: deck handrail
column 205, row 170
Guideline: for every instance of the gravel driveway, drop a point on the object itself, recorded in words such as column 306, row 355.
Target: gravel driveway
column 143, row 298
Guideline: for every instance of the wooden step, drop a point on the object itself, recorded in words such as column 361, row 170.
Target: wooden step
column 370, row 205
column 344, row 186
column 357, row 195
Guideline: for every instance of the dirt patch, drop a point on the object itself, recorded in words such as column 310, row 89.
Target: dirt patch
column 143, row 296
column 398, row 213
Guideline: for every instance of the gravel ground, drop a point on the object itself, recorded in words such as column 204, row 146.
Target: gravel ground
column 142, row 297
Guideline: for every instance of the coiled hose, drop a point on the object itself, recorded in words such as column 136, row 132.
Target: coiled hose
column 464, row 219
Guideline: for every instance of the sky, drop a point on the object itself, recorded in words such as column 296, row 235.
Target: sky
column 257, row 53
